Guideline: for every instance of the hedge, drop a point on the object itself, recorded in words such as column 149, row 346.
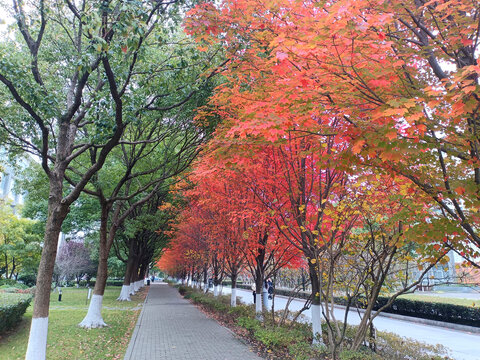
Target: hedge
column 456, row 314
column 7, row 282
column 12, row 308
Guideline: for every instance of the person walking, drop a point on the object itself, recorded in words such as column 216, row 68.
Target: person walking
column 270, row 289
column 254, row 292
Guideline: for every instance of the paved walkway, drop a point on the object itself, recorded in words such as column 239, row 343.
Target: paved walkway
column 171, row 328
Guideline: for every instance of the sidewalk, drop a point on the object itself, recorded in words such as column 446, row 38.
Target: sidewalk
column 170, row 328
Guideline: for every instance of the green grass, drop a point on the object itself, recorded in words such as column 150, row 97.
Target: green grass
column 443, row 300
column 68, row 341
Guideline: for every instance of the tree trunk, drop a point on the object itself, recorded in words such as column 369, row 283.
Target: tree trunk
column 94, row 318
column 125, row 293
column 13, row 267
column 316, row 305
column 37, row 341
column 6, row 265
column 134, row 275
column 258, row 289
column 215, row 277
column 233, row 299
column 205, row 279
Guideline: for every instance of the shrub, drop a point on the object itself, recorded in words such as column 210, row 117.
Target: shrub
column 394, row 347
column 356, row 355
column 303, row 350
column 28, row 279
column 273, row 337
column 14, row 286
column 10, row 282
column 248, row 323
column 182, row 289
column 435, row 311
column 12, row 308
column 242, row 310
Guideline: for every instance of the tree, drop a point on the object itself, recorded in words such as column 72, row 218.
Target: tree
column 73, row 260
column 131, row 180
column 19, row 244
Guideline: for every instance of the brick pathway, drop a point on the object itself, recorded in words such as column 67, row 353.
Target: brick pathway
column 170, row 327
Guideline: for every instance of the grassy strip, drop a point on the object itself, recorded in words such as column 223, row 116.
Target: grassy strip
column 66, row 340
column 293, row 340
column 442, row 300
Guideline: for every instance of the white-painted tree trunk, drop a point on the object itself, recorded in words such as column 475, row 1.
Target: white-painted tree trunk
column 205, row 287
column 132, row 289
column 137, row 285
column 37, row 341
column 215, row 290
column 258, row 307
column 233, row 298
column 265, row 298
column 317, row 324
column 124, row 293
column 258, row 303
column 94, row 315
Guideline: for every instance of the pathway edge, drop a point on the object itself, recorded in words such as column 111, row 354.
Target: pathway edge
column 133, row 339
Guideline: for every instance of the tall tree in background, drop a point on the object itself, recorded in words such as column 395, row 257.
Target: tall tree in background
column 73, row 260
column 19, row 243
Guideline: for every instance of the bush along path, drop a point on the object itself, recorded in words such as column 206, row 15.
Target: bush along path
column 66, row 340
column 171, row 328
column 292, row 340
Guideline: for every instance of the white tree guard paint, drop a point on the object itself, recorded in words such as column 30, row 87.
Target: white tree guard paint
column 124, row 293
column 205, row 287
column 258, row 303
column 233, row 299
column 94, row 315
column 215, row 290
column 37, row 341
column 137, row 286
column 316, row 324
column 132, row 289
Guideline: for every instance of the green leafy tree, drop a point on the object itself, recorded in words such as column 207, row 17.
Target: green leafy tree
column 19, row 244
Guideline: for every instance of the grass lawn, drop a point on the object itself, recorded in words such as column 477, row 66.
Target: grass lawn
column 66, row 340
column 443, row 300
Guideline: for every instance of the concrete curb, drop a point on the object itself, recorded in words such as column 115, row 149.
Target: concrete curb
column 131, row 344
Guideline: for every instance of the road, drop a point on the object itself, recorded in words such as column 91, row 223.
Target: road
column 462, row 345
